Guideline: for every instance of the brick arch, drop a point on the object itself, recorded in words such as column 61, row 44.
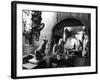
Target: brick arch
column 81, row 19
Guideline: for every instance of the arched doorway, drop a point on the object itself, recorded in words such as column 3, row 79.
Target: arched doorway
column 58, row 29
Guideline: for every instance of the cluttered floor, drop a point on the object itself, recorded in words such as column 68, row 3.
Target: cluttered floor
column 74, row 59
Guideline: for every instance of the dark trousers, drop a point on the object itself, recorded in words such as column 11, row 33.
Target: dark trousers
column 60, row 63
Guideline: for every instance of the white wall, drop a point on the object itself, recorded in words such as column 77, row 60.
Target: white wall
column 5, row 40
column 49, row 19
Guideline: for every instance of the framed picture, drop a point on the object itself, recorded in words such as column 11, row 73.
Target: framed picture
column 53, row 39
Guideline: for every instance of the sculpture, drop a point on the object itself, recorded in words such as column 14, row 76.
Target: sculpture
column 32, row 25
column 37, row 26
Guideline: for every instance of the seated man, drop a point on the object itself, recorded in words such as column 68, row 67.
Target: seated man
column 57, row 56
column 42, row 47
column 39, row 54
